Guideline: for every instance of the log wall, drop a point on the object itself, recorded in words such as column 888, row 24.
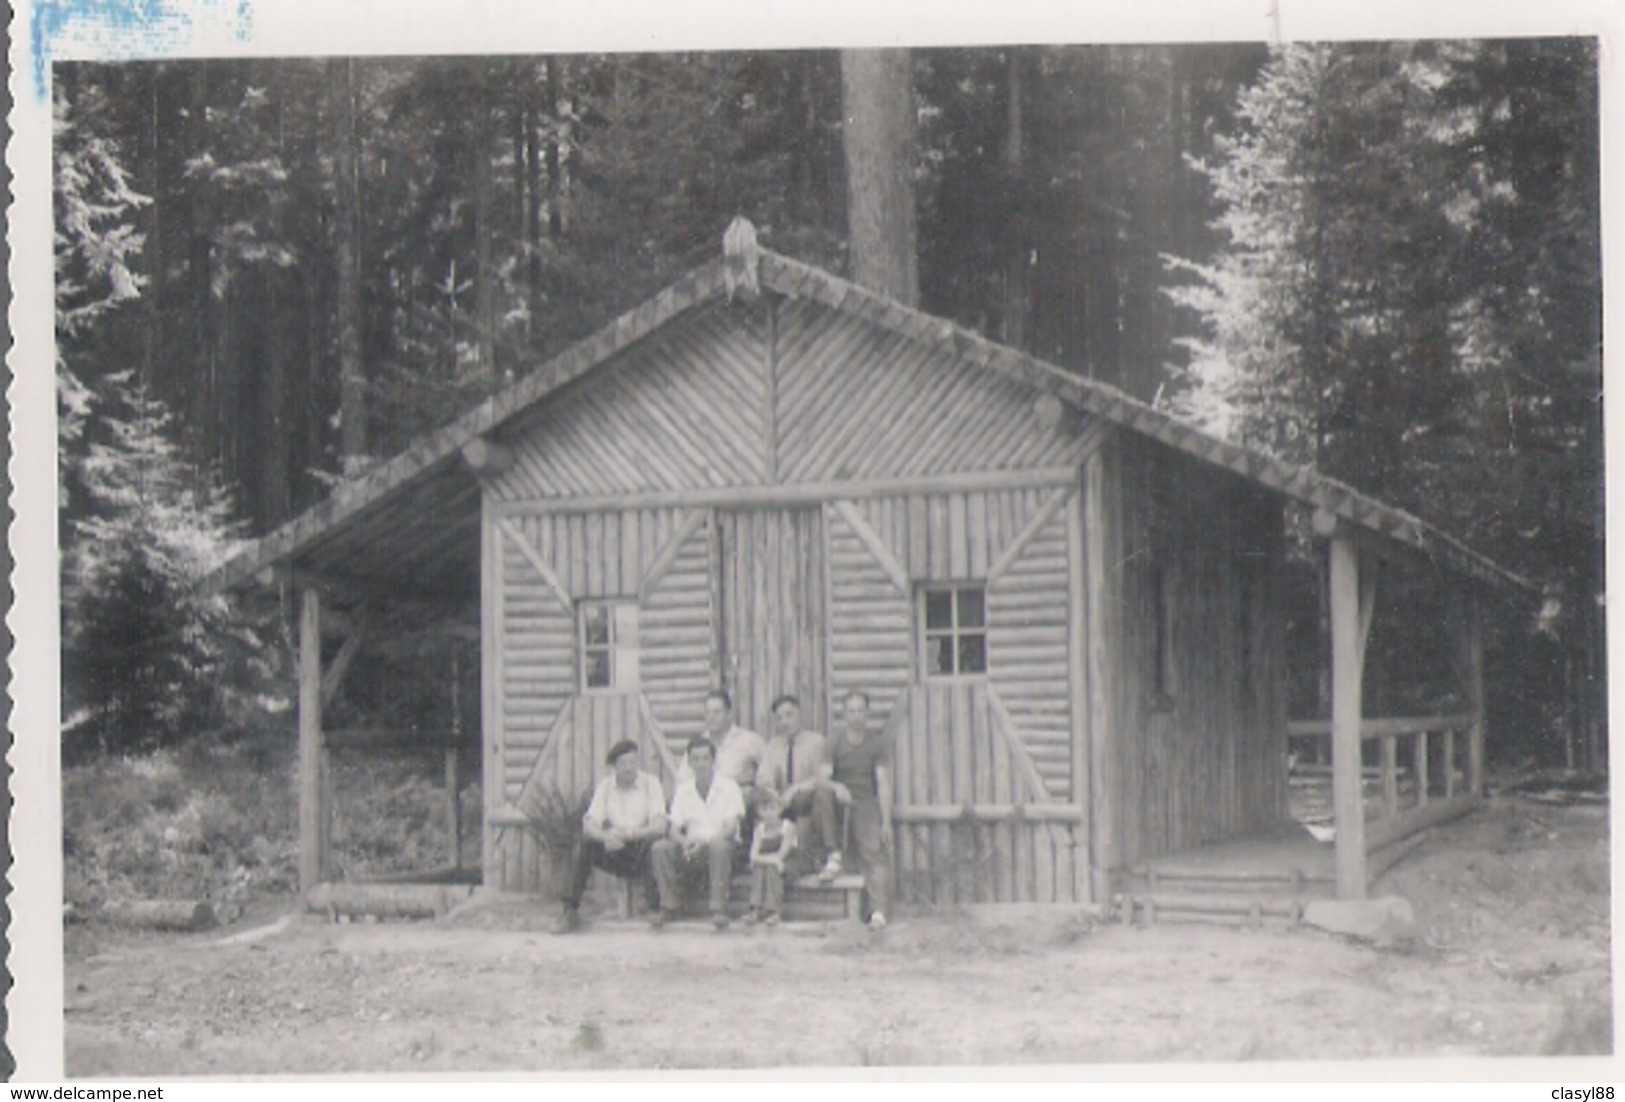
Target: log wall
column 856, row 401
column 1201, row 759
column 975, row 824
column 751, row 394
column 553, row 738
column 970, row 750
column 773, row 611
column 672, row 414
column 772, row 482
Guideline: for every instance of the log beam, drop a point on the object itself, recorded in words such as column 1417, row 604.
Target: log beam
column 1348, row 661
column 313, row 847
column 278, row 575
column 1470, row 641
column 487, row 457
column 334, row 677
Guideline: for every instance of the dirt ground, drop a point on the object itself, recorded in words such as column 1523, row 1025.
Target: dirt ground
column 1512, row 960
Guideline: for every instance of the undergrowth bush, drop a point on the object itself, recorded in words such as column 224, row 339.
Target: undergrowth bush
column 198, row 822
column 205, row 821
column 391, row 814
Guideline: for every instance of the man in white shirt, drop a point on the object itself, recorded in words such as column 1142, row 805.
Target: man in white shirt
column 626, row 817
column 739, row 751
column 705, row 817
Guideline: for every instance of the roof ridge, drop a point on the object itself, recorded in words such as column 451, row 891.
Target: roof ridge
column 745, row 267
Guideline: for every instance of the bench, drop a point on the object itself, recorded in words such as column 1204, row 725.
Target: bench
column 850, row 885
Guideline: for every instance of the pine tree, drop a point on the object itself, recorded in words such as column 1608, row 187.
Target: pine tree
column 1329, row 337
column 144, row 650
column 96, row 242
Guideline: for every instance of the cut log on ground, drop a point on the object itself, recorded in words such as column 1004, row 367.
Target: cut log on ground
column 386, row 900
column 162, row 914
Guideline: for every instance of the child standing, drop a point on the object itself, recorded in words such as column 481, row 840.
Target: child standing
column 772, row 841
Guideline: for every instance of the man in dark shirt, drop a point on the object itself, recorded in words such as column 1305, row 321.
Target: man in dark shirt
column 858, row 764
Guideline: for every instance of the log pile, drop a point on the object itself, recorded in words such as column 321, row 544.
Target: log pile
column 162, row 914
column 385, row 901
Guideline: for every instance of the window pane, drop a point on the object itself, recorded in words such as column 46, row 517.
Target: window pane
column 939, row 655
column 939, row 609
column 973, row 653
column 595, row 668
column 971, row 613
column 595, row 625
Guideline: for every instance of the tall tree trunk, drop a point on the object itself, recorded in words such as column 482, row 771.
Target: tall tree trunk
column 347, row 261
column 535, row 200
column 153, row 298
column 555, row 179
column 480, row 152
column 877, row 99
column 200, row 277
column 272, row 493
column 522, row 138
column 1018, row 307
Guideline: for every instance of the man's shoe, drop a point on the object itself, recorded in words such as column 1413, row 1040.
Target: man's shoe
column 752, row 917
column 772, row 918
column 567, row 923
column 877, row 921
column 719, row 922
column 831, row 869
column 660, row 918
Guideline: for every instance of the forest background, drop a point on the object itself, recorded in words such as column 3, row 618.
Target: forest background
column 1381, row 259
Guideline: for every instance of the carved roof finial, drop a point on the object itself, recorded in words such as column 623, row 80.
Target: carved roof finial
column 739, row 256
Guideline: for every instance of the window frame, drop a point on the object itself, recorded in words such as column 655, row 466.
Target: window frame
column 924, row 635
column 621, row 646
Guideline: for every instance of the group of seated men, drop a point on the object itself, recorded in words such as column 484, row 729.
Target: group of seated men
column 788, row 806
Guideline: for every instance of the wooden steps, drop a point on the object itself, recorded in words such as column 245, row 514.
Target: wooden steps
column 1210, row 907
column 1236, row 897
column 805, row 900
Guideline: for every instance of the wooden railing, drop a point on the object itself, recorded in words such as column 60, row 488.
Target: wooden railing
column 1436, row 796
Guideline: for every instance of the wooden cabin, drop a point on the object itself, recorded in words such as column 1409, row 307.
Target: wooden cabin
column 1063, row 603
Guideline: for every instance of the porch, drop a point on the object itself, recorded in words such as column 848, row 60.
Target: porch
column 1415, row 783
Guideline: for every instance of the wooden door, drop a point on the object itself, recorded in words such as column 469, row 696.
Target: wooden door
column 773, row 612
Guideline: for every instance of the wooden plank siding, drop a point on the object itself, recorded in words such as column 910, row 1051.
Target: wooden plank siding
column 952, row 759
column 1028, row 647
column 871, row 621
column 1202, row 758
column 856, row 400
column 677, row 637
column 773, row 612
column 682, row 412
column 554, row 737
column 538, row 656
column 1004, row 740
column 1002, row 778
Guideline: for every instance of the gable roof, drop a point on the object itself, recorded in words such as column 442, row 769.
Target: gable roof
column 414, row 518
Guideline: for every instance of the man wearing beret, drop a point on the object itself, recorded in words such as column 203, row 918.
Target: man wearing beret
column 626, row 816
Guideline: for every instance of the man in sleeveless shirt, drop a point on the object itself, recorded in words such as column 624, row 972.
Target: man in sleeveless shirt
column 858, row 766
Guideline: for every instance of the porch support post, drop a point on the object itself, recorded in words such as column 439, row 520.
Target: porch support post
column 313, row 845
column 1471, row 643
column 490, row 692
column 1348, row 660
column 454, row 795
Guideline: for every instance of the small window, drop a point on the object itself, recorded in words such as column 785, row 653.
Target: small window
column 953, row 620
column 608, row 644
